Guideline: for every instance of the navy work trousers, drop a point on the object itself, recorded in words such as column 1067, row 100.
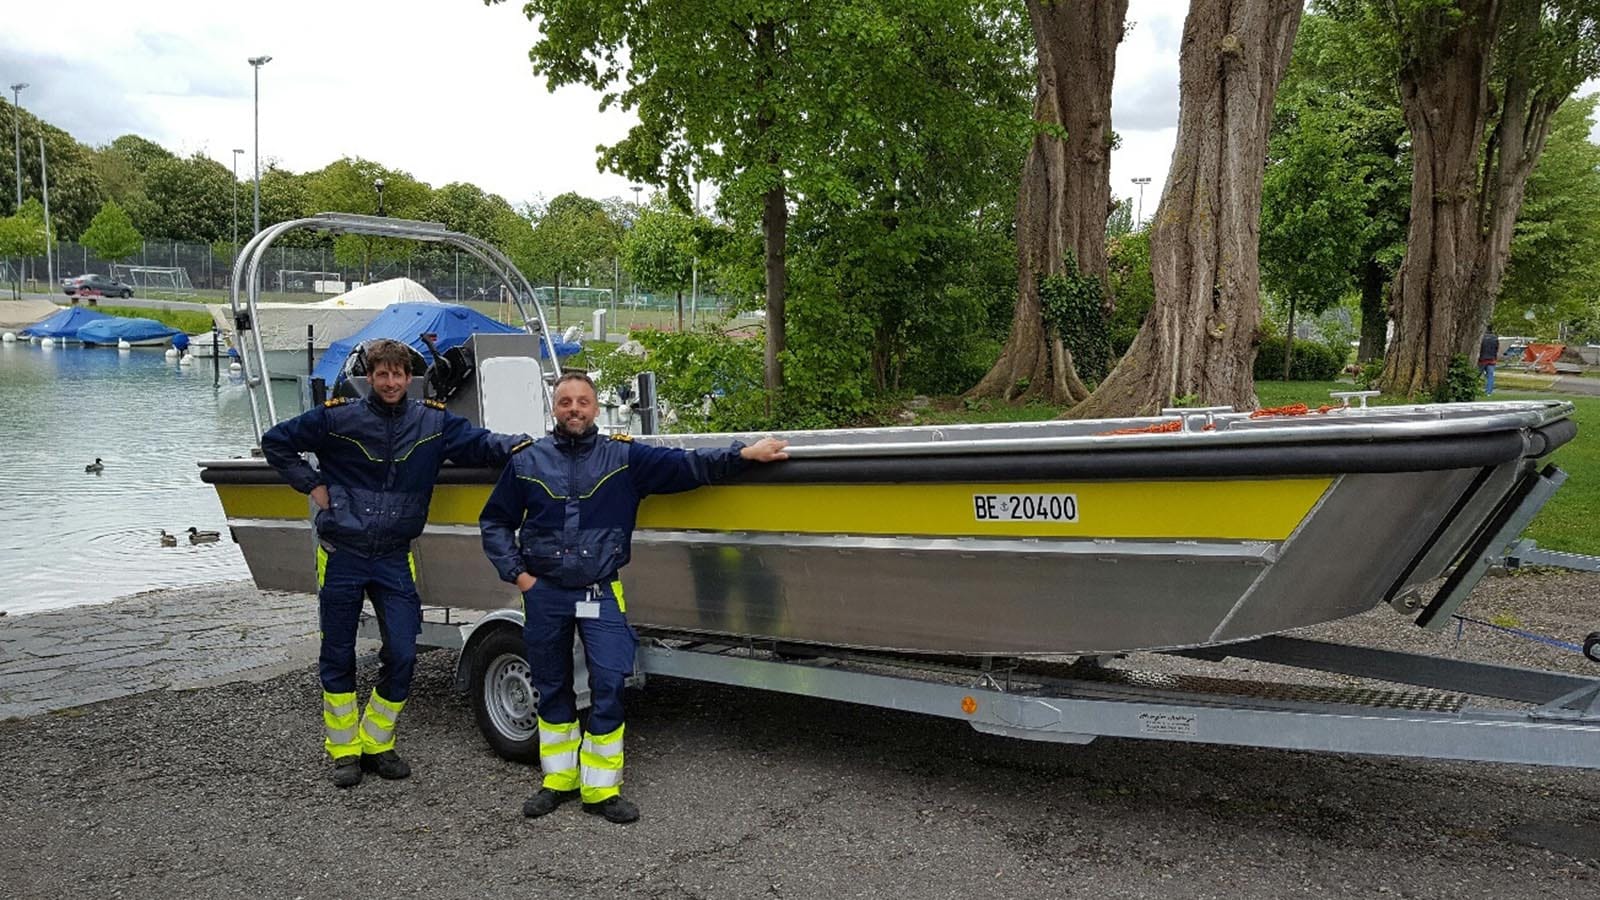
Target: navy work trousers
column 345, row 579
column 608, row 647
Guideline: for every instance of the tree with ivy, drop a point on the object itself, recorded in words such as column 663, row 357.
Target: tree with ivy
column 1199, row 338
column 111, row 234
column 1065, row 197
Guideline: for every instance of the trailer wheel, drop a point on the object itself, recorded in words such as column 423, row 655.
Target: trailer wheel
column 503, row 699
column 1591, row 646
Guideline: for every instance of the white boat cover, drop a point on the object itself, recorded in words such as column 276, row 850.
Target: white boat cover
column 283, row 325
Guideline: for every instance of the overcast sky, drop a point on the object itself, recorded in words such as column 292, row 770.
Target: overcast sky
column 439, row 88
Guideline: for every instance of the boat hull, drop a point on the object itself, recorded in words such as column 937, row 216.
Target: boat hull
column 1165, row 548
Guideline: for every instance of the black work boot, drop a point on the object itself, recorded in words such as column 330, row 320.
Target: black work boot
column 387, row 764
column 545, row 802
column 347, row 771
column 615, row 809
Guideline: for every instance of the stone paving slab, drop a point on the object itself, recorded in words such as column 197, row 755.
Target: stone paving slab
column 178, row 640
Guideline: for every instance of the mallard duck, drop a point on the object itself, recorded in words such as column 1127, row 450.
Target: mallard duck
column 95, row 468
column 197, row 536
column 168, row 540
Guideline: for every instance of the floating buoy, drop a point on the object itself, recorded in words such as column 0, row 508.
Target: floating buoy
column 186, row 360
column 47, row 342
column 124, row 345
column 171, row 353
column 10, row 337
column 235, row 367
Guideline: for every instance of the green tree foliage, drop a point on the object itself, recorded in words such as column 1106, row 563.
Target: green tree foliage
column 111, row 234
column 1133, row 286
column 189, row 199
column 792, row 103
column 1336, row 193
column 74, row 190
column 23, row 234
column 1555, row 255
column 659, row 250
column 348, row 185
column 573, row 238
column 1314, row 219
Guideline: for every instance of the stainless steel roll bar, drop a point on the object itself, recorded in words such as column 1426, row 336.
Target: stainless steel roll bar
column 247, row 271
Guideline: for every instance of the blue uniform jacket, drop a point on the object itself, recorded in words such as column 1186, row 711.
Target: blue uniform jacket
column 564, row 508
column 379, row 463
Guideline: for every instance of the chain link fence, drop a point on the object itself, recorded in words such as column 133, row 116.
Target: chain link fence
column 297, row 273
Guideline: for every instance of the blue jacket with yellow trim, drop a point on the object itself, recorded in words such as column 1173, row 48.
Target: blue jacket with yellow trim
column 379, row 463
column 564, row 508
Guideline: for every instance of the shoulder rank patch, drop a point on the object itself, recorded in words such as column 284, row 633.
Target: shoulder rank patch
column 527, row 443
column 622, row 436
column 336, row 401
column 433, row 403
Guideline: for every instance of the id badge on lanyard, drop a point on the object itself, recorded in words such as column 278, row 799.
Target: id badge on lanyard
column 589, row 606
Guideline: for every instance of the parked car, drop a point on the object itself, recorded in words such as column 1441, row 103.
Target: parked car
column 96, row 284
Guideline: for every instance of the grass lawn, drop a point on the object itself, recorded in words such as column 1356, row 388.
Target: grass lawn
column 189, row 321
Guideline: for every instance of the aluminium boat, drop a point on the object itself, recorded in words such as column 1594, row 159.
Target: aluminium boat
column 1189, row 529
column 1061, row 537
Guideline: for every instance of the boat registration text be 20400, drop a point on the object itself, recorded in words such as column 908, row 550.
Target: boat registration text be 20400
column 1025, row 507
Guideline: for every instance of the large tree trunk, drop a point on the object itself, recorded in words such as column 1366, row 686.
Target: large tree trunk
column 1198, row 342
column 1444, row 92
column 1470, row 168
column 1374, row 316
column 1066, row 188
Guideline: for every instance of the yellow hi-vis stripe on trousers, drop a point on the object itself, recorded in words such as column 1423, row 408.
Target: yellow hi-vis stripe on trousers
column 558, row 755
column 377, row 724
column 339, row 718
column 601, row 762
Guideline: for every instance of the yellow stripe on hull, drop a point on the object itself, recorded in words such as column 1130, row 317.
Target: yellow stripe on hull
column 1265, row 509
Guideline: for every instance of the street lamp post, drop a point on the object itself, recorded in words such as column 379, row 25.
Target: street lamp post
column 256, row 62
column 377, row 185
column 236, row 152
column 16, row 130
column 633, row 283
column 1139, row 216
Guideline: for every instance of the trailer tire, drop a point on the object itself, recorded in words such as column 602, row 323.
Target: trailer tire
column 503, row 699
column 1591, row 646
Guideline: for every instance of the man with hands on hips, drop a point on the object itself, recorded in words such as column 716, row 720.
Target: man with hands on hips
column 377, row 462
column 559, row 525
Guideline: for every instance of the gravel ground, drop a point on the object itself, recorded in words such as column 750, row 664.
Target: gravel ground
column 222, row 792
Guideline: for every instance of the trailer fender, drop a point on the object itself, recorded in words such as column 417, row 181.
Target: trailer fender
column 480, row 631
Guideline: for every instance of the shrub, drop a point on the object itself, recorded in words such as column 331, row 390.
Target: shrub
column 1313, row 360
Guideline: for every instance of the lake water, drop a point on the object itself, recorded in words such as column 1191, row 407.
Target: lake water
column 67, row 537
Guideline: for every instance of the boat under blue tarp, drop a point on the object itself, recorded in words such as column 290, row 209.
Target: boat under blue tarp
column 407, row 322
column 63, row 325
column 139, row 332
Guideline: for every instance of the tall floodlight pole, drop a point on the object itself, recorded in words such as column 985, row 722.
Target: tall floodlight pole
column 16, row 132
column 1139, row 216
column 256, row 62
column 236, row 152
column 49, row 260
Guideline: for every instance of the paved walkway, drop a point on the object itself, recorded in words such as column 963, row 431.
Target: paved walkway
column 179, row 639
